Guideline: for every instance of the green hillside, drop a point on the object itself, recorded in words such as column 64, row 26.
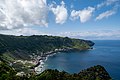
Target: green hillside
column 93, row 73
column 24, row 52
column 19, row 47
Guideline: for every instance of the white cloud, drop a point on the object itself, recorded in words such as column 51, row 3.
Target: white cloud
column 105, row 14
column 60, row 12
column 20, row 13
column 23, row 31
column 74, row 15
column 84, row 14
column 101, row 34
column 107, row 3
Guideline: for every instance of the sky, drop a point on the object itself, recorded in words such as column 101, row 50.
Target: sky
column 86, row 19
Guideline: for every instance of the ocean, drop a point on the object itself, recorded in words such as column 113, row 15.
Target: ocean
column 104, row 52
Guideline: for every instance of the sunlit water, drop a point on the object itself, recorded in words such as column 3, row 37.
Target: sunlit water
column 105, row 53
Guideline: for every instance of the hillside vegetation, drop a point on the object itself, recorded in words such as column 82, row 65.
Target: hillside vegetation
column 18, row 53
column 19, row 47
column 93, row 73
column 24, row 53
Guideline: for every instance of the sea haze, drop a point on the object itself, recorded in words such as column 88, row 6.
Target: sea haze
column 105, row 53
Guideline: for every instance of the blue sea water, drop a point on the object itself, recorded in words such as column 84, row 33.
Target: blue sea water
column 105, row 53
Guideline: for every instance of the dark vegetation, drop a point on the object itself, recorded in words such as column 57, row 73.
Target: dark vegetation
column 19, row 47
column 42, row 43
column 93, row 73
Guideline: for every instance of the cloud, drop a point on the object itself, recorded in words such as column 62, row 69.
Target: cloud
column 21, row 13
column 93, row 35
column 74, row 15
column 84, row 14
column 101, row 34
column 107, row 3
column 60, row 12
column 23, row 31
column 105, row 14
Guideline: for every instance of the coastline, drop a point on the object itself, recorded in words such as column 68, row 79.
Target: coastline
column 39, row 67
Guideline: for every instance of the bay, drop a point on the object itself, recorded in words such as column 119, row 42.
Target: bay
column 105, row 53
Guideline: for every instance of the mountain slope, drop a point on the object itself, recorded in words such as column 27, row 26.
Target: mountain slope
column 24, row 52
column 21, row 46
